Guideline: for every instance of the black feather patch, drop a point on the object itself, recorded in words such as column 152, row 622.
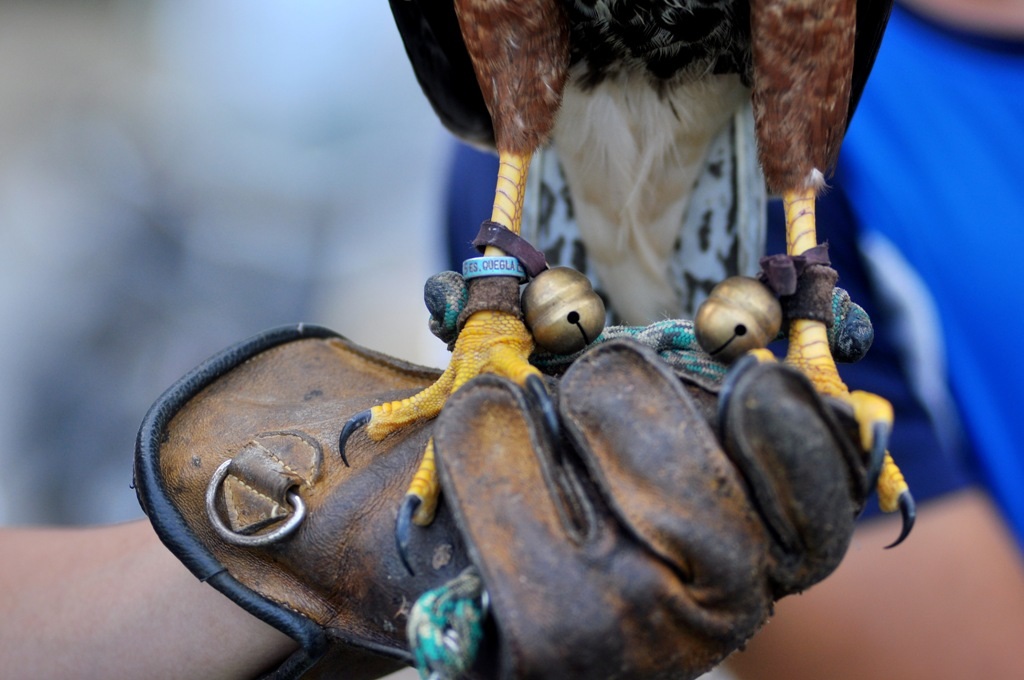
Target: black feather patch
column 433, row 40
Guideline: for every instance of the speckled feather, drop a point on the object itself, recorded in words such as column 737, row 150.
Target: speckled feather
column 663, row 39
column 521, row 56
column 657, row 64
column 669, row 36
column 802, row 88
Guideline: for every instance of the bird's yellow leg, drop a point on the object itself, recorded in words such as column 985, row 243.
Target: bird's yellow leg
column 808, row 340
column 510, row 192
column 809, row 352
column 491, row 341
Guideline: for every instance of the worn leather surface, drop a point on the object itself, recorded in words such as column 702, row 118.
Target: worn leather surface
column 340, row 569
column 649, row 540
column 634, row 548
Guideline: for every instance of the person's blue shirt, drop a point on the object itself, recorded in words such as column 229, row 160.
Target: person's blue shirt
column 934, row 161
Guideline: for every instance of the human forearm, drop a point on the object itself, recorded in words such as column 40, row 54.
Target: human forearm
column 948, row 603
column 113, row 603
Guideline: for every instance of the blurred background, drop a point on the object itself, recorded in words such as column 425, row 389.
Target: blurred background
column 176, row 176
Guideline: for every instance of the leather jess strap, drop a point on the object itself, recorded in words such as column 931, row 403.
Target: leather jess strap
column 500, row 236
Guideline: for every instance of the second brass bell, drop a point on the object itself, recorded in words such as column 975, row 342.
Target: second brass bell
column 562, row 310
column 739, row 315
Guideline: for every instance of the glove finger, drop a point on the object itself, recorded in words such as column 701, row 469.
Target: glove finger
column 654, row 456
column 496, row 473
column 571, row 594
column 805, row 476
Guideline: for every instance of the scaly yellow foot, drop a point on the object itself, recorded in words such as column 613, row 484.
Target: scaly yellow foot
column 420, row 503
column 893, row 495
column 809, row 352
column 489, row 342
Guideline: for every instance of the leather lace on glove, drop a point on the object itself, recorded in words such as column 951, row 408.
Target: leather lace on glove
column 647, row 539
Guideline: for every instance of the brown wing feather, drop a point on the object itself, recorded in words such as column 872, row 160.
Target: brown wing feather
column 803, row 56
column 520, row 51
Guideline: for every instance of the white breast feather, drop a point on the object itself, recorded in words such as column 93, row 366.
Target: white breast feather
column 631, row 157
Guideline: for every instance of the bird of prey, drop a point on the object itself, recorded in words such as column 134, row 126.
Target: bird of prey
column 631, row 93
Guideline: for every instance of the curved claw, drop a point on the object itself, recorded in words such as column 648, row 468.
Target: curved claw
column 354, row 423
column 535, row 388
column 403, row 528
column 908, row 511
column 880, row 432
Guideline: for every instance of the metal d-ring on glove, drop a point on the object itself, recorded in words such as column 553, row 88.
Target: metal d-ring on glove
column 295, row 515
column 667, row 518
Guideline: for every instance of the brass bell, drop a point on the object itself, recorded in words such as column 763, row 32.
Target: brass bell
column 739, row 315
column 562, row 310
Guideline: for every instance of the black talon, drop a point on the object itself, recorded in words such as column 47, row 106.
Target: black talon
column 403, row 528
column 880, row 434
column 354, row 423
column 908, row 510
column 535, row 387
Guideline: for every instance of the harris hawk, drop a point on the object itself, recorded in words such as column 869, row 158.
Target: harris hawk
column 632, row 94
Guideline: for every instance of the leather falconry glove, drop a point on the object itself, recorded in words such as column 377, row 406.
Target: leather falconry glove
column 647, row 539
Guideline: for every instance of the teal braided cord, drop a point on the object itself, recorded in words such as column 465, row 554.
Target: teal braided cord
column 849, row 336
column 672, row 339
column 446, row 625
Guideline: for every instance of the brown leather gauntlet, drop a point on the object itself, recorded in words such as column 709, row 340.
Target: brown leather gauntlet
column 225, row 458
column 648, row 540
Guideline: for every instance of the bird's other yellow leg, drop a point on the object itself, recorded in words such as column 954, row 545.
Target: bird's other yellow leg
column 808, row 340
column 809, row 352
